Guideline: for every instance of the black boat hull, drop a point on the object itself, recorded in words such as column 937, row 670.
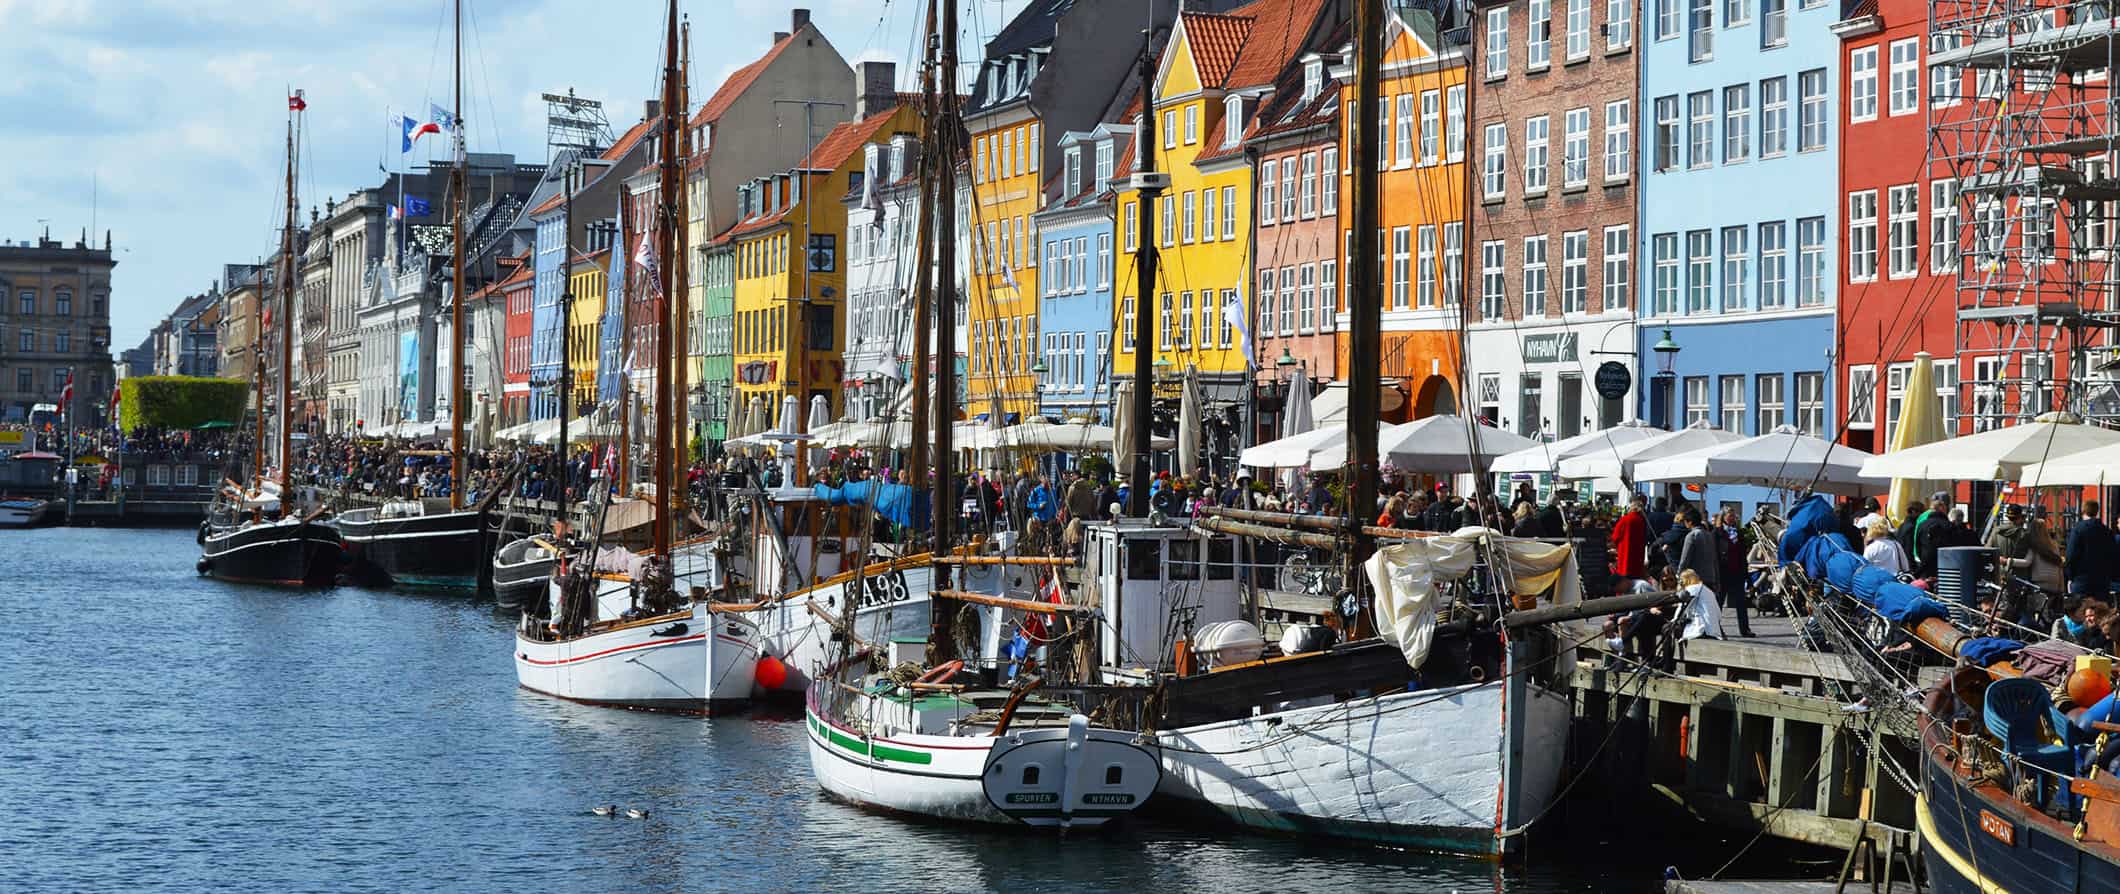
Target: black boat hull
column 515, row 586
column 289, row 555
column 1976, row 839
column 443, row 550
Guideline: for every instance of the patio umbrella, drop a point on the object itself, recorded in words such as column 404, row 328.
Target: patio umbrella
column 1998, row 455
column 1619, row 462
column 1783, row 458
column 1298, row 451
column 1920, row 422
column 820, row 416
column 1436, row 445
column 1189, row 423
column 1296, row 418
column 1547, row 457
column 1123, row 429
column 2096, row 467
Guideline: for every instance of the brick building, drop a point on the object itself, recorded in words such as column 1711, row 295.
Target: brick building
column 55, row 320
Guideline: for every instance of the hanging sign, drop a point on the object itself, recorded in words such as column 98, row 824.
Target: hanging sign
column 1612, row 380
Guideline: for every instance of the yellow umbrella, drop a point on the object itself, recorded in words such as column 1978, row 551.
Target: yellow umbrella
column 1920, row 422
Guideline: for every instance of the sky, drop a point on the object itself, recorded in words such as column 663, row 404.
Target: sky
column 165, row 122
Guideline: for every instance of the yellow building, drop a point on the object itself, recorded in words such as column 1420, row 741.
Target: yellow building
column 587, row 279
column 790, row 310
column 1210, row 77
column 1001, row 313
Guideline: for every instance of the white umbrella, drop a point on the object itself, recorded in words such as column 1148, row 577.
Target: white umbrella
column 1619, row 462
column 1296, row 418
column 2096, row 467
column 1997, row 455
column 1189, row 423
column 1076, row 436
column 1547, row 457
column 1436, row 444
column 1297, row 451
column 732, row 427
column 820, row 416
column 1784, row 458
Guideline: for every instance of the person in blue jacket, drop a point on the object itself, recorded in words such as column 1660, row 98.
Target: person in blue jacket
column 1040, row 502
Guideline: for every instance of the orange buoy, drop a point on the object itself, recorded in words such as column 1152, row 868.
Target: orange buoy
column 772, row 673
column 2087, row 686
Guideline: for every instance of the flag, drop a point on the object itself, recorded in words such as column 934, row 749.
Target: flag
column 441, row 117
column 1233, row 314
column 645, row 257
column 117, row 397
column 397, row 213
column 296, row 103
column 416, row 207
column 413, row 130
column 66, row 395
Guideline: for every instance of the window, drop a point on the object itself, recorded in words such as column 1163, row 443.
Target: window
column 1535, row 155
column 1666, row 133
column 1192, row 123
column 1773, row 264
column 2095, row 216
column 1700, row 129
column 1104, row 164
column 1126, row 324
column 1989, row 227
column 1737, row 267
column 1538, row 34
column 1530, row 414
column 1697, row 408
column 1288, row 190
column 1170, row 129
column 1308, row 274
column 1167, row 323
column 1575, row 149
column 1495, row 162
column 1192, row 216
column 1895, row 397
column 63, row 302
column 1492, row 288
column 1773, row 24
column 1330, row 187
column 1167, row 215
column 1288, row 301
column 1497, row 42
column 1700, row 39
column 1810, row 403
column 1862, row 83
column 28, row 339
column 1700, row 271
column 1733, row 404
column 1431, row 126
column 1619, row 252
column 1946, row 380
column 1737, row 123
column 1402, row 129
column 1943, row 225
column 1737, row 12
column 1401, row 263
column 1207, row 215
column 1810, row 261
column 1669, row 19
column 1328, row 292
column 1229, row 300
column 1534, row 276
column 1987, row 392
column 1269, row 183
column 1269, row 301
column 1811, row 110
column 28, row 301
column 1619, row 24
column 1906, row 76
column 1454, row 123
column 1575, row 272
column 1233, row 114
column 1578, row 30
column 1229, row 213
column 1664, row 259
column 1903, row 210
column 1862, row 235
column 1309, row 207
column 25, row 382
column 1946, row 82
column 1185, row 319
column 1773, row 117
column 1619, row 152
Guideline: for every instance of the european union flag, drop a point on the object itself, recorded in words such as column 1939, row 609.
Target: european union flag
column 416, row 207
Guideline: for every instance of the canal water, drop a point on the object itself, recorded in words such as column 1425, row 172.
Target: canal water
column 159, row 731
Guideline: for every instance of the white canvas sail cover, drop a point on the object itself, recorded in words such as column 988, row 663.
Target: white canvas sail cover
column 1406, row 575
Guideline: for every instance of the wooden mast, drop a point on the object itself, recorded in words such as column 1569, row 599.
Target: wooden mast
column 680, row 279
column 1364, row 299
column 288, row 252
column 923, row 271
column 666, row 244
column 942, row 645
column 457, row 393
column 258, row 315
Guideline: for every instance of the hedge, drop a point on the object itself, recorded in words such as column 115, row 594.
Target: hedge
column 181, row 402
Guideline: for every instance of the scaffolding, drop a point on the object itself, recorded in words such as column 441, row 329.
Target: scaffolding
column 576, row 124
column 2022, row 140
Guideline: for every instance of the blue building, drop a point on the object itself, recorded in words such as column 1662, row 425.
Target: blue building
column 1079, row 264
column 1737, row 216
column 548, row 284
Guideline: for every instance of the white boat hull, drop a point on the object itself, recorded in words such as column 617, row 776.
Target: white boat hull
column 1423, row 769
column 697, row 662
column 980, row 778
column 22, row 513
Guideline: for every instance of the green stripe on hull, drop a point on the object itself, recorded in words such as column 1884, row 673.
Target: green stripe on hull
column 879, row 752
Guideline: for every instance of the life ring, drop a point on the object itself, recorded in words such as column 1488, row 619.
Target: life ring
column 942, row 673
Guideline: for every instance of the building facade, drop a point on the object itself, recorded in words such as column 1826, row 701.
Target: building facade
column 1075, row 313
column 883, row 219
column 55, row 321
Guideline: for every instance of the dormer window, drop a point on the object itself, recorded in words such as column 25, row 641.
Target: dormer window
column 1313, row 78
column 872, row 161
column 1232, row 120
column 1104, row 163
column 1074, row 170
column 794, row 189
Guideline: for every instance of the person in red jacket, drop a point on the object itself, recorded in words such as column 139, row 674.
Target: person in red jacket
column 1630, row 543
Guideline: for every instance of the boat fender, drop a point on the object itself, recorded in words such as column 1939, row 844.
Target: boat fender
column 1476, row 674
column 677, row 629
column 202, row 535
column 205, row 564
column 941, row 673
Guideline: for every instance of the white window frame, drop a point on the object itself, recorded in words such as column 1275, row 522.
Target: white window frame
column 1862, row 235
column 1575, row 148
column 1497, row 48
column 1431, row 126
column 1812, row 120
column 1905, row 83
column 1618, row 268
column 1309, row 205
column 1619, row 140
column 1773, row 117
column 1575, row 272
column 1229, row 213
column 1494, row 296
column 1862, row 84
column 1537, row 133
column 1269, row 186
column 1535, row 276
column 1402, row 130
column 1664, row 275
column 1577, row 40
column 1773, row 264
column 1667, row 152
column 1425, row 267
column 1453, row 262
column 1903, row 223
column 1812, row 280
column 1736, row 268
column 1700, row 271
column 1943, row 225
column 1494, row 166
column 1538, row 35
column 1737, row 123
column 1700, row 129
column 1453, row 123
column 1619, row 25
column 1401, row 267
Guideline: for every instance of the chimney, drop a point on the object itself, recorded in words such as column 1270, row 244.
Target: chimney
column 877, row 83
column 650, row 109
column 796, row 19
column 779, row 36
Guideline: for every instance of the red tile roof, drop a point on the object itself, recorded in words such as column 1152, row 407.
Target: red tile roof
column 1216, row 41
column 844, row 139
column 1279, row 29
column 737, row 82
column 617, row 152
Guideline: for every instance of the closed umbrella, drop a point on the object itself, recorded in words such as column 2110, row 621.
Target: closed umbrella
column 1783, row 458
column 1296, row 418
column 1437, row 444
column 1189, row 423
column 820, row 416
column 1998, row 455
column 1123, row 429
column 1619, row 462
column 1920, row 422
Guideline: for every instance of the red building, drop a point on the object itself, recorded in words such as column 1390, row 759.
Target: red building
column 516, row 290
column 1296, row 128
column 1898, row 263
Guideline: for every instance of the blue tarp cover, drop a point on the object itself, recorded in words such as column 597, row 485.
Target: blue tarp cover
column 1989, row 649
column 1814, row 540
column 896, row 503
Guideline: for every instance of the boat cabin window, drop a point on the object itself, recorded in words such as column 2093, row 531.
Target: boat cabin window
column 1144, row 559
column 1114, row 774
column 1185, row 560
column 1221, row 558
column 1030, row 774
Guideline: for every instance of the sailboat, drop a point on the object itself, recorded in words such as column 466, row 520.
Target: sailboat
column 255, row 534
column 623, row 629
column 903, row 726
column 418, row 541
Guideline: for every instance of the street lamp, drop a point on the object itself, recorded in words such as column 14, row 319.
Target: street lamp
column 1666, row 353
column 1287, row 360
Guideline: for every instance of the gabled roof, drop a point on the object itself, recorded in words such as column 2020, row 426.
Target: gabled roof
column 1278, row 31
column 1216, row 41
column 846, row 138
column 618, row 151
column 737, row 82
